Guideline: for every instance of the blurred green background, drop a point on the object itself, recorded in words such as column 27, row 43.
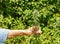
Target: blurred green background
column 22, row 14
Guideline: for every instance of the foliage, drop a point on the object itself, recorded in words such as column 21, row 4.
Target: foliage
column 21, row 14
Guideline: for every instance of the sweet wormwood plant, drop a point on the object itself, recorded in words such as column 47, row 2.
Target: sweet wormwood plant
column 37, row 26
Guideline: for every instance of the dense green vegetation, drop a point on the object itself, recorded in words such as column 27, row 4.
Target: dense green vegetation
column 22, row 14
